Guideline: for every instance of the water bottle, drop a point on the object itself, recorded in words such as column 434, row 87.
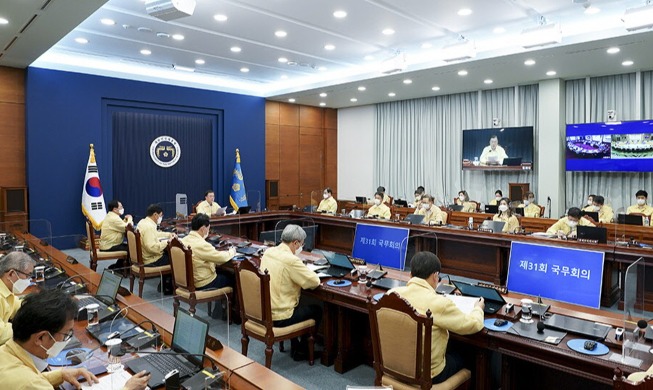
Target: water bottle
column 646, row 220
column 470, row 223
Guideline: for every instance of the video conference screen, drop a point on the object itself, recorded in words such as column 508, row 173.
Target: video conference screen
column 516, row 143
column 610, row 147
column 562, row 274
column 381, row 245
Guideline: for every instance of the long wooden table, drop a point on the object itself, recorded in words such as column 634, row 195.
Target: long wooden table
column 241, row 371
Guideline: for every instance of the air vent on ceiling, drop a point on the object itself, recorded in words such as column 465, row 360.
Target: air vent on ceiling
column 28, row 24
column 46, row 4
column 10, row 43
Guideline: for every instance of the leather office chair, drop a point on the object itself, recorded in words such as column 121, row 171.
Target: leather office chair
column 94, row 251
column 401, row 342
column 183, row 281
column 138, row 268
column 542, row 208
column 253, row 288
column 619, row 382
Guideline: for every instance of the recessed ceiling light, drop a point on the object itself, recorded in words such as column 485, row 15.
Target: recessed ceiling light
column 105, row 21
column 529, row 62
column 322, row 68
column 220, row 17
column 322, row 104
column 284, row 77
column 81, row 40
column 146, row 52
column 613, row 50
column 353, row 100
column 291, row 100
column 323, row 94
column 388, row 31
column 178, row 37
column 361, row 88
column 488, row 81
column 162, row 35
column 340, row 14
column 408, row 81
column 499, row 30
column 627, row 63
column 184, row 68
column 236, row 49
column 369, row 58
column 283, row 60
column 435, row 88
column 244, row 70
column 4, row 21
column 426, row 45
column 551, row 73
column 392, row 94
column 280, row 33
column 462, row 72
column 591, row 10
column 144, row 29
column 200, row 61
column 329, row 47
column 464, row 12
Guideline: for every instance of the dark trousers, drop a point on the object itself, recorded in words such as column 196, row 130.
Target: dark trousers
column 454, row 362
column 167, row 279
column 116, row 248
column 302, row 313
column 220, row 281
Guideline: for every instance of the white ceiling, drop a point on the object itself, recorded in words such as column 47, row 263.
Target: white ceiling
column 115, row 50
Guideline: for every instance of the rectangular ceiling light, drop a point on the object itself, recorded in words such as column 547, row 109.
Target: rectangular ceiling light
column 395, row 64
column 459, row 51
column 637, row 18
column 184, row 68
column 547, row 34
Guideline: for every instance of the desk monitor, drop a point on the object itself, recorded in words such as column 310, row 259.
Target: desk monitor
column 519, row 210
column 494, row 226
column 591, row 233
column 456, row 207
column 562, row 274
column 244, row 210
column 490, row 209
column 512, row 161
column 381, row 245
column 629, row 219
column 401, row 203
column 361, row 200
column 592, row 214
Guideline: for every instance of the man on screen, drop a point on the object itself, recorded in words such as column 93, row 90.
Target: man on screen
column 493, row 154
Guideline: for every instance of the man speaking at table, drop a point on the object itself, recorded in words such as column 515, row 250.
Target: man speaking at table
column 420, row 293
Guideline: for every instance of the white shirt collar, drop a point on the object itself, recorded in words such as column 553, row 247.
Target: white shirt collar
column 41, row 364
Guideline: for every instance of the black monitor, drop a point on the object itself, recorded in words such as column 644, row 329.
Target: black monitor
column 401, row 202
column 590, row 233
column 490, row 209
column 519, row 210
column 592, row 214
column 361, row 200
column 244, row 210
column 628, row 219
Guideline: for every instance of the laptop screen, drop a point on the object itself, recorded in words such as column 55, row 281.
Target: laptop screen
column 471, row 290
column 336, row 259
column 109, row 285
column 189, row 335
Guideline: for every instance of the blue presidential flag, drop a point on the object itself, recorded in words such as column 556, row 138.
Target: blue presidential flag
column 92, row 195
column 238, row 196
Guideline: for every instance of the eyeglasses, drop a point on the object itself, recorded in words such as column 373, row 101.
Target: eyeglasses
column 23, row 273
column 67, row 336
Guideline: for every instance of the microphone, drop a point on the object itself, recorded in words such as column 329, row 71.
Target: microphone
column 73, row 288
column 540, row 327
column 548, row 205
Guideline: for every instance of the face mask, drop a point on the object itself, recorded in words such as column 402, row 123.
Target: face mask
column 572, row 224
column 377, row 202
column 589, row 202
column 56, row 348
column 426, row 206
column 641, row 202
column 596, row 208
column 20, row 285
column 325, row 196
column 498, row 198
column 503, row 208
column 461, row 197
column 526, row 202
column 158, row 221
column 299, row 250
column 206, row 235
column 121, row 211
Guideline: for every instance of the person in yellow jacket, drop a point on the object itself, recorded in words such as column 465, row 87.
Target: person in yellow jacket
column 506, row 215
column 379, row 209
column 606, row 214
column 497, row 197
column 15, row 274
column 112, row 233
column 566, row 227
column 463, row 200
column 42, row 328
column 447, row 317
column 531, row 209
column 432, row 213
column 209, row 206
column 640, row 207
column 328, row 204
column 154, row 243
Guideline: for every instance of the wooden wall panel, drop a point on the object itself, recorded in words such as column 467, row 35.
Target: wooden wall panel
column 12, row 85
column 310, row 117
column 289, row 165
column 12, row 127
column 271, row 113
column 272, row 152
column 311, row 143
column 288, row 114
column 331, row 160
column 330, row 119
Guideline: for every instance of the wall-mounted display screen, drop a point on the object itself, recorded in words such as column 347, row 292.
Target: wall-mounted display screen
column 498, row 148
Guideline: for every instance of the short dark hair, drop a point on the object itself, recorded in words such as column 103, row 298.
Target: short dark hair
column 574, row 212
column 421, row 189
column 494, row 136
column 591, row 196
column 498, row 192
column 199, row 221
column 528, row 194
column 114, row 204
column 641, row 193
column 599, row 199
column 424, row 264
column 45, row 310
column 380, row 189
column 153, row 209
column 379, row 193
column 428, row 197
column 328, row 189
column 207, row 192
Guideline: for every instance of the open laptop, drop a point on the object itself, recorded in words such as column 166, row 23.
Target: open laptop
column 310, row 209
column 599, row 234
column 388, row 283
column 629, row 219
column 105, row 297
column 456, row 207
column 491, row 209
column 361, row 199
column 401, row 203
column 493, row 299
column 244, row 210
column 512, row 161
column 495, row 226
column 189, row 336
column 519, row 210
column 339, row 264
column 414, row 219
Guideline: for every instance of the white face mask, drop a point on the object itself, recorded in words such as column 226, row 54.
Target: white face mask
column 596, row 208
column 498, row 198
column 377, row 202
column 56, row 348
column 206, row 235
column 121, row 211
column 426, row 206
column 527, row 202
column 325, row 196
column 572, row 224
column 641, row 202
column 158, row 221
column 503, row 208
column 20, row 285
column 461, row 197
column 299, row 250
column 589, row 202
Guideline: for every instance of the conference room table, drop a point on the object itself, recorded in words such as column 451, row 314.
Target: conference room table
column 241, row 371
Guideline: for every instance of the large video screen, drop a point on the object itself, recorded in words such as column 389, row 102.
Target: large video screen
column 617, row 147
column 381, row 245
column 562, row 274
column 512, row 147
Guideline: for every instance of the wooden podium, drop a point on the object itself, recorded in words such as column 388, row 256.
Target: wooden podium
column 516, row 191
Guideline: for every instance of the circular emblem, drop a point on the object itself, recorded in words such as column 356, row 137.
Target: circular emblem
column 165, row 151
column 93, row 187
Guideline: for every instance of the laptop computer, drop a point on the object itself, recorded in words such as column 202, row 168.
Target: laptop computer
column 490, row 209
column 519, row 210
column 310, row 209
column 105, row 297
column 247, row 250
column 592, row 233
column 339, row 264
column 188, row 336
column 512, row 161
column 244, row 210
column 361, row 199
column 592, row 214
column 388, row 283
column 495, row 226
column 414, row 219
column 456, row 207
column 628, row 219
column 493, row 300
column 401, row 203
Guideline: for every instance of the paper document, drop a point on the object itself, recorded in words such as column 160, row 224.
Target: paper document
column 116, row 380
column 323, row 275
column 314, row 267
column 465, row 304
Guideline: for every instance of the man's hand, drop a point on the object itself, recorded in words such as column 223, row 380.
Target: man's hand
column 480, row 304
column 138, row 381
column 232, row 252
column 70, row 375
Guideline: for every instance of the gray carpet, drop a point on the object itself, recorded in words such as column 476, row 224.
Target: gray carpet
column 315, row 377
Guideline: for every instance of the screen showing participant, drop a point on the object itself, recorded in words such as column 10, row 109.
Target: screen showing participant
column 498, row 148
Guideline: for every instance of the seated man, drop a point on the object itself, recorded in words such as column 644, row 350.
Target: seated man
column 420, row 293
column 641, row 207
column 497, row 197
column 432, row 213
column 566, row 227
column 493, row 154
column 154, row 243
column 112, row 233
column 42, row 327
column 15, row 274
column 379, row 209
column 328, row 204
column 606, row 215
column 208, row 206
column 531, row 209
column 288, row 276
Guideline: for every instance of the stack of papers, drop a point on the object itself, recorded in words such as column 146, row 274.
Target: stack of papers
column 465, row 304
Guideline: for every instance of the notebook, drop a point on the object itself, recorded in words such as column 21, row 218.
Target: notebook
column 339, row 264
column 414, row 219
column 189, row 336
column 388, row 284
column 493, row 300
column 361, row 200
column 105, row 297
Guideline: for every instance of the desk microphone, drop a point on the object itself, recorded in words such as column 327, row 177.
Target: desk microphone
column 540, row 327
column 641, row 329
column 75, row 288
